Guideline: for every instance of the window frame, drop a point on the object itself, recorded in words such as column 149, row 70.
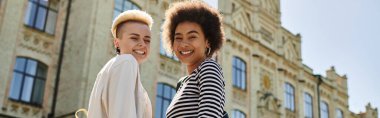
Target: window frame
column 308, row 102
column 237, row 69
column 163, row 98
column 39, row 6
column 25, row 74
column 339, row 113
column 124, row 8
column 324, row 104
column 237, row 112
column 290, row 97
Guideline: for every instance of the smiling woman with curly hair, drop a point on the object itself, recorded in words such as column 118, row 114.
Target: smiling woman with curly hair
column 193, row 32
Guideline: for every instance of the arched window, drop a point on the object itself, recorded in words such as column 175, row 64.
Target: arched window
column 308, row 105
column 239, row 73
column 123, row 5
column 324, row 110
column 339, row 113
column 238, row 114
column 28, row 81
column 165, row 94
column 289, row 97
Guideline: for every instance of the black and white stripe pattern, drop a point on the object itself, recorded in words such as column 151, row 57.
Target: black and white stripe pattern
column 201, row 94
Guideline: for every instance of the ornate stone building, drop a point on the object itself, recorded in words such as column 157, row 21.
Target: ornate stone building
column 261, row 60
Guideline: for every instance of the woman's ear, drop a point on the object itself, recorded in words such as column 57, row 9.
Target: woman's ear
column 116, row 42
column 207, row 44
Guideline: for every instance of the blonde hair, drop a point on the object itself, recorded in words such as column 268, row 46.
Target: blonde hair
column 131, row 15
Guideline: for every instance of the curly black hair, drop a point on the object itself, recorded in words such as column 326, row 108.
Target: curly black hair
column 208, row 18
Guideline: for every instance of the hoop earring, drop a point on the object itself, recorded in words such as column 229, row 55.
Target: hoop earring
column 208, row 51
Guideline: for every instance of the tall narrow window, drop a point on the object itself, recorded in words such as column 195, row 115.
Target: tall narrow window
column 165, row 94
column 39, row 15
column 238, row 114
column 28, row 81
column 324, row 110
column 339, row 113
column 123, row 5
column 308, row 105
column 239, row 73
column 289, row 97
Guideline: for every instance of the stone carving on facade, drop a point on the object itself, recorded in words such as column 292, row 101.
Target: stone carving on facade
column 268, row 104
column 39, row 44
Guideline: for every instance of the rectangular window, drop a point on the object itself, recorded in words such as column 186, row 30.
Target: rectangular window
column 289, row 97
column 39, row 15
column 239, row 78
column 324, row 110
column 308, row 105
column 51, row 22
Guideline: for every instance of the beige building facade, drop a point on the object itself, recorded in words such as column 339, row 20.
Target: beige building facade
column 261, row 60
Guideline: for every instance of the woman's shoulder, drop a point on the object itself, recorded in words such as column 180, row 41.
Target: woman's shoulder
column 125, row 60
column 119, row 61
column 210, row 65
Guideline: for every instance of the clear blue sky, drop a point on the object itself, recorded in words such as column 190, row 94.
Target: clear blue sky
column 342, row 33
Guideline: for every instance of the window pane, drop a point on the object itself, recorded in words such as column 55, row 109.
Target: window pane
column 165, row 106
column 234, row 76
column 339, row 113
column 237, row 114
column 41, row 71
column 43, row 2
column 115, row 13
column 173, row 93
column 31, row 67
column 240, row 65
column 158, row 107
column 135, row 7
column 324, row 110
column 38, row 91
column 159, row 89
column 127, row 5
column 30, row 14
column 51, row 21
column 167, row 92
column 238, row 79
column 15, row 86
column 20, row 64
column 119, row 4
column 27, row 90
column 308, row 106
column 41, row 17
column 164, row 96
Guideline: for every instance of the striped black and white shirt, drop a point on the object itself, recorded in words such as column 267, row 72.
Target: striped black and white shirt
column 201, row 93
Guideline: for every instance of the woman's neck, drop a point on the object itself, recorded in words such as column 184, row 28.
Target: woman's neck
column 192, row 67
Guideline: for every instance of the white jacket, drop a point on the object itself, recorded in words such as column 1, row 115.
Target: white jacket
column 118, row 92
